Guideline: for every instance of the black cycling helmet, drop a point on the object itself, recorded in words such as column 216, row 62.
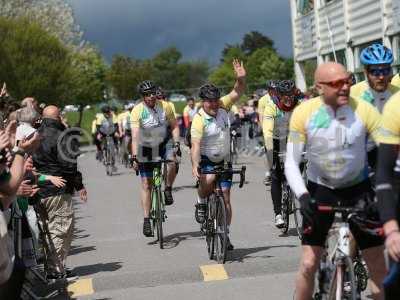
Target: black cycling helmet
column 146, row 86
column 285, row 87
column 209, row 92
column 105, row 109
column 271, row 84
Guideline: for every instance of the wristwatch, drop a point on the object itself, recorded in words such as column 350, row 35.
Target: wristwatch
column 18, row 151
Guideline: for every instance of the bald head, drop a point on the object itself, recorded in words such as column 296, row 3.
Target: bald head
column 330, row 71
column 51, row 112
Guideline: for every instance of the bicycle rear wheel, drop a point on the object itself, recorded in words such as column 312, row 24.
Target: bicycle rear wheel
column 343, row 285
column 221, row 236
column 159, row 218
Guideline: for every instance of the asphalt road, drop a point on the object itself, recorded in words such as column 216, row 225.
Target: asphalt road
column 115, row 261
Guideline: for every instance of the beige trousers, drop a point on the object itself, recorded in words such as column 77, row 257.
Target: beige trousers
column 56, row 220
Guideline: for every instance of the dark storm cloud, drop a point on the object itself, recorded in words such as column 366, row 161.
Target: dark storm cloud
column 199, row 28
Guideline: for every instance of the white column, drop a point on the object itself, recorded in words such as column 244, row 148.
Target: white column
column 385, row 24
column 349, row 51
column 298, row 70
column 320, row 58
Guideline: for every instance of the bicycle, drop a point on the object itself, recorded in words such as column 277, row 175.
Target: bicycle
column 288, row 205
column 234, row 152
column 336, row 275
column 296, row 204
column 215, row 225
column 124, row 150
column 157, row 211
column 109, row 154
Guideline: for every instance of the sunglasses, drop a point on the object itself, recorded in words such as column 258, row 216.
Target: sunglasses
column 380, row 72
column 149, row 94
column 338, row 84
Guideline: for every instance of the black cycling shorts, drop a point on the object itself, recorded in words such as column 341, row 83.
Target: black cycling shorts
column 346, row 197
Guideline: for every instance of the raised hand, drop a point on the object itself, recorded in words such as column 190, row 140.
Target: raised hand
column 239, row 69
column 56, row 180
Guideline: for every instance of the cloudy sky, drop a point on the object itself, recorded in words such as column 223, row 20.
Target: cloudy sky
column 199, row 28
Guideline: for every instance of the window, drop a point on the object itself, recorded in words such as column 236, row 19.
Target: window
column 305, row 6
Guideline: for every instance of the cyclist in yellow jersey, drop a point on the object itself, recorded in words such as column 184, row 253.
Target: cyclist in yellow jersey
column 210, row 140
column 189, row 111
column 271, row 87
column 153, row 122
column 333, row 128
column 387, row 185
column 275, row 124
column 124, row 129
column 173, row 167
column 396, row 80
column 107, row 125
column 271, row 92
column 377, row 89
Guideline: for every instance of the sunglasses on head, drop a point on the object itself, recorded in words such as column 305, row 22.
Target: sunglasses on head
column 380, row 71
column 338, row 84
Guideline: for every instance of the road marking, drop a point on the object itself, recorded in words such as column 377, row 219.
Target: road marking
column 214, row 272
column 81, row 287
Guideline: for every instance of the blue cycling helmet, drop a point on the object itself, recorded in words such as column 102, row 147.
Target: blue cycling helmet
column 376, row 54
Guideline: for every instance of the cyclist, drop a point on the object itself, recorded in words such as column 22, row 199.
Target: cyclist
column 150, row 120
column 210, row 140
column 275, row 124
column 124, row 129
column 270, row 85
column 107, row 125
column 189, row 111
column 377, row 89
column 387, row 184
column 172, row 167
column 333, row 128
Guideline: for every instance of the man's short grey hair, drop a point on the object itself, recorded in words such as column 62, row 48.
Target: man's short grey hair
column 27, row 114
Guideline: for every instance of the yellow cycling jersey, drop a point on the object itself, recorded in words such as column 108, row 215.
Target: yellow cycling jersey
column 234, row 109
column 335, row 141
column 213, row 132
column 124, row 119
column 262, row 102
column 190, row 112
column 396, row 80
column 153, row 122
column 94, row 127
column 363, row 91
column 389, row 132
column 100, row 118
column 275, row 125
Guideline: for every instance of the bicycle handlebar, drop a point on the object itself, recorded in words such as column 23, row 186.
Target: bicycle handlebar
column 227, row 171
column 358, row 216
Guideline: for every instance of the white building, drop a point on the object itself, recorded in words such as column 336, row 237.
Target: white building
column 322, row 27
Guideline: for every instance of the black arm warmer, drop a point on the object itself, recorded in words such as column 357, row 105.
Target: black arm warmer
column 387, row 197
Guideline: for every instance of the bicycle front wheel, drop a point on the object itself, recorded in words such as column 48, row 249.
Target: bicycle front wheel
column 343, row 285
column 210, row 224
column 221, row 236
column 159, row 217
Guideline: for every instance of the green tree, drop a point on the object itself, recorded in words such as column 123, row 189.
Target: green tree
column 125, row 74
column 255, row 40
column 87, row 78
column 265, row 64
column 34, row 62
